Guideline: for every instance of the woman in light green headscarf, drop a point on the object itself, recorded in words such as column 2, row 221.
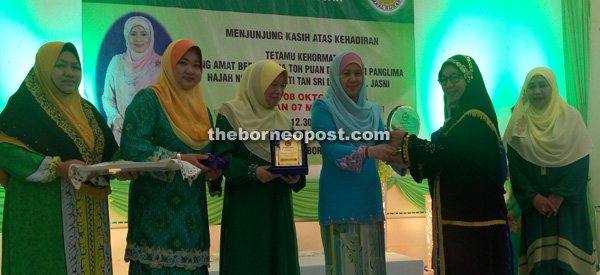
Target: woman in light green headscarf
column 258, row 235
column 548, row 154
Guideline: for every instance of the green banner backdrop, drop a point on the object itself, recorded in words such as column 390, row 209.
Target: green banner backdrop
column 302, row 36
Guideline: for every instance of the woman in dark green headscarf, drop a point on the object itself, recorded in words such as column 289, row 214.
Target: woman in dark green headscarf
column 464, row 167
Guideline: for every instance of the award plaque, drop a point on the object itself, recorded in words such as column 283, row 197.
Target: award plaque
column 288, row 155
column 404, row 118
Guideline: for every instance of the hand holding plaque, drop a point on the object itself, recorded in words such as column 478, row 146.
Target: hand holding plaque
column 288, row 155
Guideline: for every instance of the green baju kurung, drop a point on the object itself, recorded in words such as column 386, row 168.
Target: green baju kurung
column 258, row 234
column 563, row 241
column 49, row 227
column 168, row 221
column 70, row 225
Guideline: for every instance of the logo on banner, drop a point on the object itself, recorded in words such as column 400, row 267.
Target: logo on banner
column 387, row 5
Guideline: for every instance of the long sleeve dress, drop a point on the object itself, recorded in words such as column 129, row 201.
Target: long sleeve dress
column 258, row 234
column 564, row 240
column 349, row 185
column 350, row 202
column 69, row 225
column 464, row 171
column 168, row 220
column 48, row 226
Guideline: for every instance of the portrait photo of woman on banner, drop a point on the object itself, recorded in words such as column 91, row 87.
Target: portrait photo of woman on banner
column 129, row 60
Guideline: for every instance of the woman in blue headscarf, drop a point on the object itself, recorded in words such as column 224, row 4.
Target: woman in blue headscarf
column 350, row 201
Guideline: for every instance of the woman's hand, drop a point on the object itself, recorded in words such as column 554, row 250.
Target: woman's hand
column 195, row 159
column 129, row 175
column 397, row 160
column 213, row 174
column 556, row 200
column 264, row 176
column 291, row 180
column 544, row 206
column 118, row 123
column 383, row 152
column 397, row 137
column 62, row 168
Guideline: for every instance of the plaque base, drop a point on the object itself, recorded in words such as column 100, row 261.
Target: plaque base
column 289, row 170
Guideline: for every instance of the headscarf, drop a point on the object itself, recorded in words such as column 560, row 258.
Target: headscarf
column 138, row 61
column 351, row 116
column 553, row 137
column 474, row 100
column 185, row 109
column 54, row 123
column 69, row 105
column 475, row 95
column 249, row 110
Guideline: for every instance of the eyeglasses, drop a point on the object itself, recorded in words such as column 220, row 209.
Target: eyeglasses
column 453, row 78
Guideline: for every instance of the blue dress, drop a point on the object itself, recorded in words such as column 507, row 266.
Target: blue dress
column 350, row 203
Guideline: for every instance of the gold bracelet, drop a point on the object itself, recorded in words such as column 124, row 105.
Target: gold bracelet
column 53, row 167
column 405, row 148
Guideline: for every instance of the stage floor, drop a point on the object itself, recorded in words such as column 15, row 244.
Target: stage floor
column 313, row 263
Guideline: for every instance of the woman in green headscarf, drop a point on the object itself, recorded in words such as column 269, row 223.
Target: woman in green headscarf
column 258, row 235
column 464, row 167
column 49, row 226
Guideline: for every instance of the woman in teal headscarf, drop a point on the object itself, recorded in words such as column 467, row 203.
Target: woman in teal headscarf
column 350, row 200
